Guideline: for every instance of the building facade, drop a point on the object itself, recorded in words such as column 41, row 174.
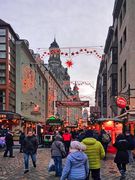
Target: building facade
column 8, row 38
column 119, row 57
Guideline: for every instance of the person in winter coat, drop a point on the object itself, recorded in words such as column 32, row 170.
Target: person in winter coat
column 121, row 158
column 77, row 165
column 9, row 145
column 95, row 152
column 105, row 139
column 30, row 146
column 130, row 138
column 57, row 149
column 67, row 139
column 21, row 140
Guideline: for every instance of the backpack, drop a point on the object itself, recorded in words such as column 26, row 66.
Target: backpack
column 105, row 138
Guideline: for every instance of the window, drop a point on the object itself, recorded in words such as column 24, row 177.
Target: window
column 120, row 45
column 2, row 74
column 2, row 66
column 124, row 36
column 43, row 99
column 2, row 32
column 12, row 101
column 39, row 81
column 120, row 19
column 2, row 47
column 121, row 79
column 2, row 80
column 124, row 8
column 2, row 39
column 2, row 100
column 43, row 84
column 125, row 73
column 2, row 54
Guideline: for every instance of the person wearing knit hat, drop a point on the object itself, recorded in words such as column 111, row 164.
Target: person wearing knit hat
column 77, row 146
column 76, row 166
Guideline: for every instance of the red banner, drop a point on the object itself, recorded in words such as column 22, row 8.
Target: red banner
column 72, row 103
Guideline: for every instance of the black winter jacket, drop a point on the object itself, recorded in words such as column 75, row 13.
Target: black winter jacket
column 30, row 145
column 9, row 140
column 122, row 146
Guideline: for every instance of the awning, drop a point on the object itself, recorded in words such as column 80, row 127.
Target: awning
column 8, row 115
column 109, row 119
column 129, row 114
column 52, row 121
column 29, row 119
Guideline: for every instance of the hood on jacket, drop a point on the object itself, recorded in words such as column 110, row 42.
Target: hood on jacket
column 77, row 157
column 89, row 141
column 58, row 137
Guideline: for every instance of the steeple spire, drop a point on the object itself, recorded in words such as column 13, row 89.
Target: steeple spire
column 54, row 44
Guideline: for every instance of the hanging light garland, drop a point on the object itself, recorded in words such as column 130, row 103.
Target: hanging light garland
column 79, row 83
column 70, row 54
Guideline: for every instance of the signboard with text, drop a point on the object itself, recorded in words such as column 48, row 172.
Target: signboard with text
column 121, row 102
column 72, row 103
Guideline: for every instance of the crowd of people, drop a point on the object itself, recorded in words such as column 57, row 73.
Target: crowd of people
column 86, row 150
column 83, row 150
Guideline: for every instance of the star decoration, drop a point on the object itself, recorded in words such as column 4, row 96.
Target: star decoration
column 69, row 63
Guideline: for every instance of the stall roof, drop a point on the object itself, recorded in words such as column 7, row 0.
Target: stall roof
column 109, row 119
column 30, row 119
column 129, row 113
column 9, row 115
column 54, row 122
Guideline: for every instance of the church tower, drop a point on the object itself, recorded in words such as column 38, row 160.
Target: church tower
column 54, row 59
column 76, row 92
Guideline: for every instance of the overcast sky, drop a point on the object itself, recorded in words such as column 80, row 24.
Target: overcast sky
column 74, row 23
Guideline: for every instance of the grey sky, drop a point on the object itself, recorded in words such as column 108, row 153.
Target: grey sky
column 76, row 23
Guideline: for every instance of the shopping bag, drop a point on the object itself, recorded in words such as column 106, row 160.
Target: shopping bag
column 51, row 166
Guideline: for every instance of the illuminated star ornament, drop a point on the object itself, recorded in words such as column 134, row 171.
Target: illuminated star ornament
column 69, row 63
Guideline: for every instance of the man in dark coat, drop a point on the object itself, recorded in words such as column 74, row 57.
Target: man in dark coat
column 9, row 144
column 21, row 140
column 121, row 158
column 30, row 146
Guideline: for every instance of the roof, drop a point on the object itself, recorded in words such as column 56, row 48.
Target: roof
column 54, row 122
column 109, row 119
column 54, row 44
column 9, row 115
column 5, row 24
column 129, row 112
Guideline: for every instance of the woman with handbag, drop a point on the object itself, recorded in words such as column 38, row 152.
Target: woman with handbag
column 57, row 153
column 76, row 166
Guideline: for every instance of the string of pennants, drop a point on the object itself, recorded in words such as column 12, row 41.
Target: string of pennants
column 79, row 83
column 69, row 54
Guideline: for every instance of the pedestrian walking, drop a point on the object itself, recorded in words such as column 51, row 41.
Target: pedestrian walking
column 77, row 165
column 105, row 139
column 30, row 146
column 95, row 152
column 67, row 139
column 21, row 140
column 130, row 138
column 121, row 158
column 9, row 144
column 57, row 149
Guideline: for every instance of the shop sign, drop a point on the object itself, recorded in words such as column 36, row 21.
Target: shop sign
column 121, row 102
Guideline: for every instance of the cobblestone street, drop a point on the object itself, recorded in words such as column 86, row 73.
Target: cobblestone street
column 12, row 168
